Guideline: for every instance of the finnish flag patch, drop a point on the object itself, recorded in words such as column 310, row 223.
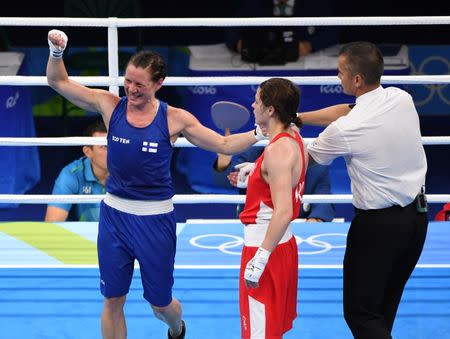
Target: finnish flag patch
column 151, row 147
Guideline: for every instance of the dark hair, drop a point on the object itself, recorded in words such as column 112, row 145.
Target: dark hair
column 96, row 126
column 364, row 58
column 151, row 61
column 284, row 96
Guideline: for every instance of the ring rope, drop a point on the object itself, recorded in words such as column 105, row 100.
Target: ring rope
column 227, row 22
column 181, row 142
column 187, row 198
column 105, row 81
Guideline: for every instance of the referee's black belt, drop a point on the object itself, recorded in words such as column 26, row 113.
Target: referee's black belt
column 386, row 209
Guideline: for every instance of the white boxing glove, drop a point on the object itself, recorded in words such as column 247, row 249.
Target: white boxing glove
column 255, row 267
column 57, row 42
column 245, row 169
column 259, row 135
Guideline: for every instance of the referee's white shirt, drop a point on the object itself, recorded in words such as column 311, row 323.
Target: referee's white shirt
column 381, row 143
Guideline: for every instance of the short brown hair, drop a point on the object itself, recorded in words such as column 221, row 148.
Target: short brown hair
column 151, row 61
column 284, row 96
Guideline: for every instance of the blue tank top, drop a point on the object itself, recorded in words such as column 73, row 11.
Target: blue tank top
column 139, row 158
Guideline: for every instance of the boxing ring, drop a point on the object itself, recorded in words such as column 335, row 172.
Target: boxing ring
column 49, row 282
column 49, row 271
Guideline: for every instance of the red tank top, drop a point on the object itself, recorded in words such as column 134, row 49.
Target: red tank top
column 258, row 202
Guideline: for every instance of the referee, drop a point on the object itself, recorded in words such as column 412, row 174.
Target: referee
column 379, row 138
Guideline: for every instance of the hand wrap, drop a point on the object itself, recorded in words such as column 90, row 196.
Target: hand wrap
column 255, row 267
column 57, row 50
column 245, row 169
column 259, row 135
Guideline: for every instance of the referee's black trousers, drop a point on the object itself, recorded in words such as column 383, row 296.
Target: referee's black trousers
column 383, row 247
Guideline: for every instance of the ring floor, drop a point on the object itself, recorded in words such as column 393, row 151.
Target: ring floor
column 49, row 283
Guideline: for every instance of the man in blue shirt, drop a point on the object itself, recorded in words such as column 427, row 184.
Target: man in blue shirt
column 86, row 175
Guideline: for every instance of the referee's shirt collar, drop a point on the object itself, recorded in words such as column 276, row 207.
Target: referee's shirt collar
column 369, row 96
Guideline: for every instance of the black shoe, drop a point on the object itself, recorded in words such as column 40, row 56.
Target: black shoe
column 182, row 334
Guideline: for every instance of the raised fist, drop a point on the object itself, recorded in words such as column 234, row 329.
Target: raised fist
column 57, row 42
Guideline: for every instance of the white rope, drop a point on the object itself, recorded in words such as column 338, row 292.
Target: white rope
column 82, row 141
column 56, row 141
column 286, row 21
column 186, row 198
column 104, row 81
column 227, row 22
column 181, row 142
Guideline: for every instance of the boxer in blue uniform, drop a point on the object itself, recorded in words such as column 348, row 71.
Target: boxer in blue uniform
column 137, row 217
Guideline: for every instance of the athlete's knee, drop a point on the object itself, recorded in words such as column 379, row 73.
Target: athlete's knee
column 114, row 304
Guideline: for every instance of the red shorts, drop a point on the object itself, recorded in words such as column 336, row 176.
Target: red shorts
column 269, row 310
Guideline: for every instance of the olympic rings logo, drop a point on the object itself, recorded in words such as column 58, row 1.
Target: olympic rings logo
column 231, row 244
column 442, row 65
column 235, row 241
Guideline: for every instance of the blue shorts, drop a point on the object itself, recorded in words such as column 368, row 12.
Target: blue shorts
column 150, row 239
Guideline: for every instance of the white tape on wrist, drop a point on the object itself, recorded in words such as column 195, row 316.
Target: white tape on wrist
column 245, row 170
column 259, row 133
column 56, row 51
column 255, row 267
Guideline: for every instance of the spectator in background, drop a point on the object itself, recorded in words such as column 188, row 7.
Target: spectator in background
column 317, row 182
column 310, row 38
column 86, row 175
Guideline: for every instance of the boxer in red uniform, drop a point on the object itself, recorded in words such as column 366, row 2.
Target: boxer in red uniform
column 269, row 264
